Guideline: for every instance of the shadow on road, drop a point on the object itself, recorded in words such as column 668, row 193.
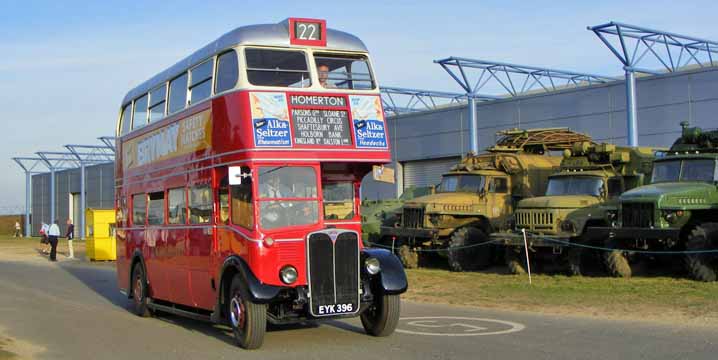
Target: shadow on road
column 99, row 278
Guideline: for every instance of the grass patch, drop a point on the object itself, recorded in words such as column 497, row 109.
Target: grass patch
column 654, row 298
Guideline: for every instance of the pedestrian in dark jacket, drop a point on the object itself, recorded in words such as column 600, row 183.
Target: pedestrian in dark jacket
column 53, row 233
column 70, row 235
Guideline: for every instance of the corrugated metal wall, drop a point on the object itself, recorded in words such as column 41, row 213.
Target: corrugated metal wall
column 663, row 102
column 99, row 182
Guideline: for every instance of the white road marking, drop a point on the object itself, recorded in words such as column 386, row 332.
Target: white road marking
column 471, row 326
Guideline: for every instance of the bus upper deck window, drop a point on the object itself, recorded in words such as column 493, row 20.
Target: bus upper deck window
column 178, row 94
column 200, row 86
column 126, row 119
column 140, row 115
column 227, row 72
column 157, row 102
column 285, row 68
column 344, row 72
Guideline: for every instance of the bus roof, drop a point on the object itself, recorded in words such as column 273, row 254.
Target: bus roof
column 262, row 34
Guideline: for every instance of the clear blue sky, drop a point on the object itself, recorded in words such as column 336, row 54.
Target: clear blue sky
column 66, row 65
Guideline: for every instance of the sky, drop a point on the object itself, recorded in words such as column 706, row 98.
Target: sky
column 66, row 65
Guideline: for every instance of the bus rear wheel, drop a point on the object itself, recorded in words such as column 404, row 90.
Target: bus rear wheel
column 140, row 292
column 247, row 319
column 381, row 318
column 702, row 267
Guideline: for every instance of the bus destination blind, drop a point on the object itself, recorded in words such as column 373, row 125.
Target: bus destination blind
column 321, row 127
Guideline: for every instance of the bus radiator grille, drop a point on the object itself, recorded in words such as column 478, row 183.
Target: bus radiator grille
column 333, row 271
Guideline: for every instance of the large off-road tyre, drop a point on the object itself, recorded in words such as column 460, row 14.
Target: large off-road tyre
column 702, row 267
column 408, row 257
column 515, row 259
column 616, row 261
column 140, row 291
column 464, row 252
column 574, row 261
column 381, row 318
column 247, row 319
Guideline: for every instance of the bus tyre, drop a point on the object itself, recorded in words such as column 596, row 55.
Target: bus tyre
column 464, row 252
column 408, row 257
column 515, row 260
column 140, row 292
column 616, row 261
column 247, row 319
column 381, row 318
column 702, row 267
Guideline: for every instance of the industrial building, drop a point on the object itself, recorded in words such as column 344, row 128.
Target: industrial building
column 432, row 130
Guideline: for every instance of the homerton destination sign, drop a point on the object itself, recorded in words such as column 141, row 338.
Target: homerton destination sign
column 329, row 127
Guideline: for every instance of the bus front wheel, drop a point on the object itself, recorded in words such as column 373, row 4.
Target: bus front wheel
column 381, row 318
column 140, row 292
column 247, row 319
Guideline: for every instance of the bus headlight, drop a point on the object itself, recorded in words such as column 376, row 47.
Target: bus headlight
column 268, row 241
column 372, row 266
column 288, row 274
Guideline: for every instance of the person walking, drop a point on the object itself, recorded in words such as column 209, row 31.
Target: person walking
column 53, row 233
column 44, row 228
column 17, row 229
column 70, row 235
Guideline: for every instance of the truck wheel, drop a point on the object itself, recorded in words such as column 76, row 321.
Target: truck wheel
column 247, row 319
column 616, row 262
column 140, row 292
column 573, row 260
column 703, row 267
column 465, row 257
column 381, row 317
column 515, row 260
column 408, row 257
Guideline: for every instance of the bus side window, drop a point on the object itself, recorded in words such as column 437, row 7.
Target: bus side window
column 178, row 94
column 200, row 204
column 156, row 208
column 177, row 204
column 223, row 196
column 200, row 86
column 126, row 119
column 242, row 202
column 227, row 72
column 140, row 116
column 139, row 209
column 157, row 103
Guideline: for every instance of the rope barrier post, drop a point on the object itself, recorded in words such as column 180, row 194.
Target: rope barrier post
column 526, row 248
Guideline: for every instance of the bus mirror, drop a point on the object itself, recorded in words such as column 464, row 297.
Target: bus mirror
column 236, row 175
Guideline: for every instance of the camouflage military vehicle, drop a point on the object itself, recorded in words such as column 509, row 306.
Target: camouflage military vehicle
column 477, row 196
column 583, row 193
column 678, row 210
column 383, row 212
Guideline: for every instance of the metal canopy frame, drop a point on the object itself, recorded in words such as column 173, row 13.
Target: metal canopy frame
column 399, row 100
column 75, row 156
column 634, row 45
column 515, row 79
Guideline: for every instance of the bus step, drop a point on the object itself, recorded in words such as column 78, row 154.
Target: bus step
column 174, row 310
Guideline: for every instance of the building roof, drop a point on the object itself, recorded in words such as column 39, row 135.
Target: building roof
column 262, row 34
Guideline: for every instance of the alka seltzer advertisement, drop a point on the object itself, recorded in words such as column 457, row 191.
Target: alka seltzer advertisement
column 368, row 121
column 270, row 119
column 182, row 137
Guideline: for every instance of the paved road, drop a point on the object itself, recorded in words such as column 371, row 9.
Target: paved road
column 72, row 310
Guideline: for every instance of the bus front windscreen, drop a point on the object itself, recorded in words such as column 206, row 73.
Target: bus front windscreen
column 685, row 170
column 461, row 183
column 287, row 196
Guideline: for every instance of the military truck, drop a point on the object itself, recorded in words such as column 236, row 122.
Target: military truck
column 677, row 211
column 476, row 197
column 583, row 193
column 378, row 212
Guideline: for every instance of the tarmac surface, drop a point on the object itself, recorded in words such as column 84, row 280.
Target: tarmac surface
column 73, row 310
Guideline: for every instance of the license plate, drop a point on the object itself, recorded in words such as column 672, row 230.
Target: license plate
column 334, row 309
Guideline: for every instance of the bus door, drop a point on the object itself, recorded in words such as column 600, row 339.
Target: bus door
column 177, row 238
column 201, row 241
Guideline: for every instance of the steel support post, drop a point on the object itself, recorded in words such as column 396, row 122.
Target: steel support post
column 473, row 126
column 28, row 200
column 82, row 200
column 52, row 195
column 631, row 109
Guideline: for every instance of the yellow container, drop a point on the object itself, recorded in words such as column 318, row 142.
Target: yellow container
column 100, row 232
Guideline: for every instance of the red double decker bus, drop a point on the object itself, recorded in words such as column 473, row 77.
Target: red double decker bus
column 238, row 184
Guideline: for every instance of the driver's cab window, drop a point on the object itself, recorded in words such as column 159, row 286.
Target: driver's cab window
column 615, row 187
column 287, row 196
column 338, row 200
column 242, row 211
column 499, row 185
